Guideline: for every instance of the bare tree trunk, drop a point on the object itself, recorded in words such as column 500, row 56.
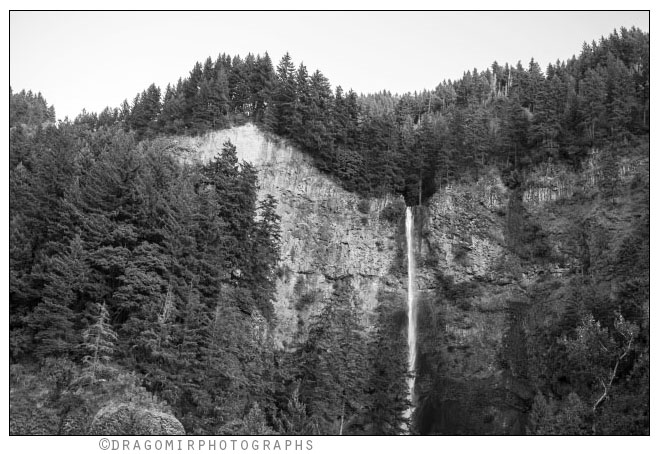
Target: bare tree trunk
column 612, row 377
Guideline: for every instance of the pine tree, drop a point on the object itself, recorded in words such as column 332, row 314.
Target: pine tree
column 283, row 98
column 387, row 385
column 253, row 423
column 261, row 83
column 266, row 241
column 294, row 420
column 302, row 103
column 152, row 107
column 333, row 383
column 239, row 89
column 171, row 117
column 592, row 96
column 620, row 96
column 54, row 319
column 317, row 134
column 219, row 99
column 99, row 342
column 190, row 90
column 535, row 85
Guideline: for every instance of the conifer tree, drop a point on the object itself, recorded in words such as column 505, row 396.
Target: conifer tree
column 302, row 102
column 318, row 121
column 171, row 116
column 387, row 384
column 333, row 383
column 283, row 98
column 261, row 83
column 99, row 342
column 54, row 319
column 592, row 96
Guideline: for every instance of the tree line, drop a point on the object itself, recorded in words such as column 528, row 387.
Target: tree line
column 413, row 144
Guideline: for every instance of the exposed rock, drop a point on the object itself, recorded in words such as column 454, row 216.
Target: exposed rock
column 482, row 243
column 126, row 419
column 462, row 241
column 328, row 234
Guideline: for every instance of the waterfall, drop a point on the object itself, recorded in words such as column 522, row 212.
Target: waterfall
column 411, row 309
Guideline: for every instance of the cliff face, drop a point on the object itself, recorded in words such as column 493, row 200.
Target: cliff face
column 327, row 233
column 494, row 266
column 483, row 251
column 468, row 281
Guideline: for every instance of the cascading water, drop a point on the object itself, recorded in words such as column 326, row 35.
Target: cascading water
column 411, row 309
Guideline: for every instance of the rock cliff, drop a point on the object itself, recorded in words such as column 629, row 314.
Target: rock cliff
column 483, row 250
column 327, row 233
column 494, row 263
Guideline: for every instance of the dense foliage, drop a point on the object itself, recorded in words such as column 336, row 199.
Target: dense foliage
column 121, row 256
column 589, row 360
column 137, row 275
column 413, row 144
column 29, row 109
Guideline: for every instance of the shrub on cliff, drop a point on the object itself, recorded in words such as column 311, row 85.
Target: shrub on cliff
column 393, row 212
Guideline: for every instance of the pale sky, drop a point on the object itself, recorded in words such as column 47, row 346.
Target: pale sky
column 94, row 59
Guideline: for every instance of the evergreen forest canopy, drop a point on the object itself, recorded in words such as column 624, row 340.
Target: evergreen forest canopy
column 136, row 277
column 508, row 116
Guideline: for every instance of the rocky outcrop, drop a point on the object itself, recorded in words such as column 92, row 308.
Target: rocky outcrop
column 485, row 251
column 126, row 419
column 481, row 248
column 468, row 279
column 328, row 234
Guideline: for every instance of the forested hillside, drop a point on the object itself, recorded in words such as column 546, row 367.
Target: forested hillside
column 118, row 256
column 507, row 115
column 138, row 279
column 139, row 275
